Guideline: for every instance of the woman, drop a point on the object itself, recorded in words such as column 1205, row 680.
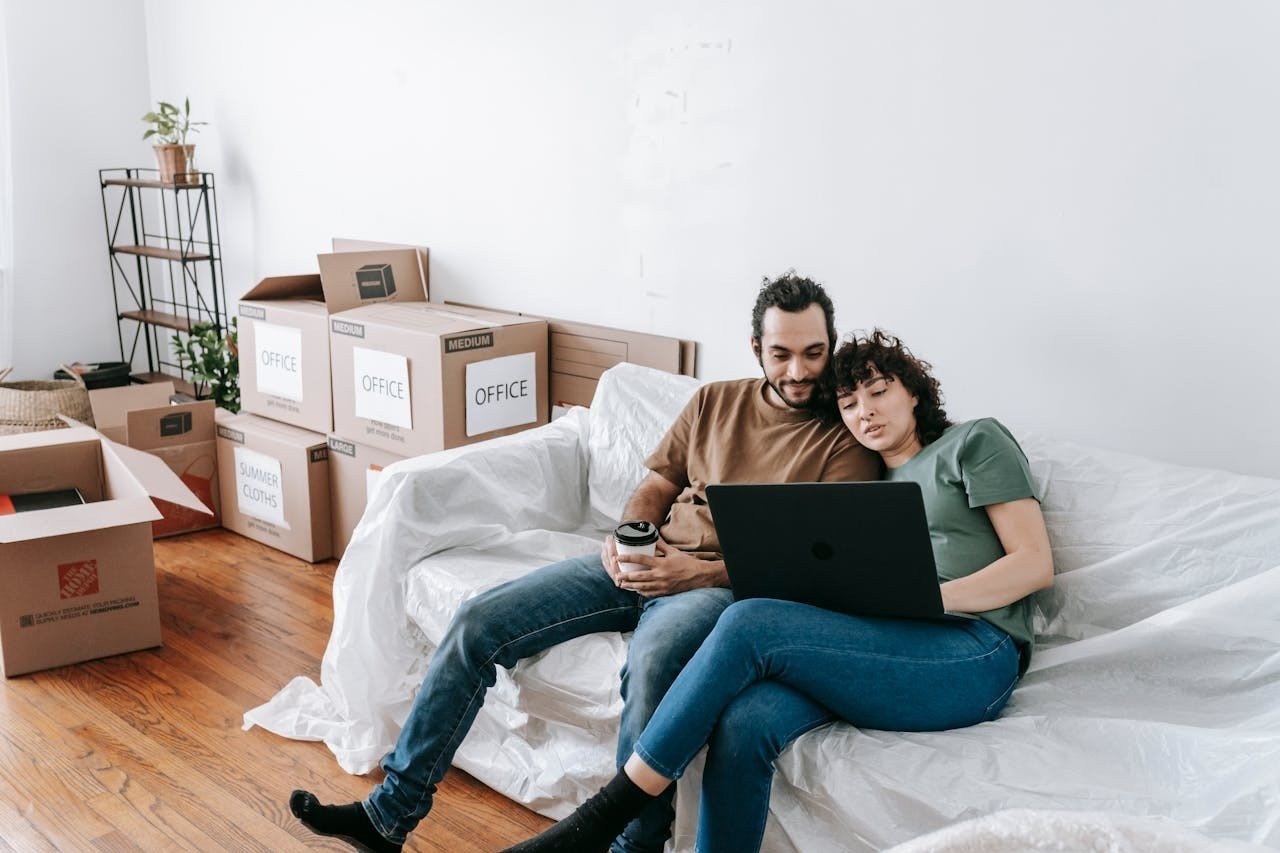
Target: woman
column 772, row 670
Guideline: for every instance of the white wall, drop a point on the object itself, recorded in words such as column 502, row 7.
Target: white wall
column 6, row 208
column 77, row 87
column 1072, row 209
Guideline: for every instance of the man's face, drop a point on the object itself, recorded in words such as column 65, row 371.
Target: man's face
column 793, row 350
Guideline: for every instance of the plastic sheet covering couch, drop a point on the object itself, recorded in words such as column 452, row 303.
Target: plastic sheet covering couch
column 1154, row 693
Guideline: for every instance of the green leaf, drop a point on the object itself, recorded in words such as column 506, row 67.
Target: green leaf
column 148, row 134
column 186, row 106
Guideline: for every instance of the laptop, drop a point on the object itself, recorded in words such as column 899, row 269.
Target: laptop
column 857, row 548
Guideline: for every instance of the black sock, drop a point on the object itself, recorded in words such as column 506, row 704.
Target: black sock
column 596, row 823
column 350, row 822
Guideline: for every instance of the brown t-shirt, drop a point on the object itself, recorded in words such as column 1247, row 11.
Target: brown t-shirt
column 729, row 433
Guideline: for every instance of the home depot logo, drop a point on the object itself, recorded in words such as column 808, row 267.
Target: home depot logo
column 77, row 579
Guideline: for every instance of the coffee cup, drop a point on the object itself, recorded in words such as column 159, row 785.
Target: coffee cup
column 635, row 538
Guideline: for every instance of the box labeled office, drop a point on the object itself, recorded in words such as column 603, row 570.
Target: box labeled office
column 79, row 582
column 182, row 435
column 275, row 485
column 353, row 471
column 283, row 321
column 412, row 379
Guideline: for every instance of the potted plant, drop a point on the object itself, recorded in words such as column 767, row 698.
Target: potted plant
column 170, row 128
column 214, row 362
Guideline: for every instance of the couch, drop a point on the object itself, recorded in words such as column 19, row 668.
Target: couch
column 1154, row 694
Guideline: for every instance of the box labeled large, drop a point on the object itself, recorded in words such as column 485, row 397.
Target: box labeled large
column 275, row 485
column 354, row 470
column 182, row 435
column 284, row 335
column 412, row 379
column 78, row 582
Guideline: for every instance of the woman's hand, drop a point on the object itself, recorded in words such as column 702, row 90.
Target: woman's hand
column 1026, row 567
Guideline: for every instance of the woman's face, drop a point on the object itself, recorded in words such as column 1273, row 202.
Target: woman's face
column 880, row 413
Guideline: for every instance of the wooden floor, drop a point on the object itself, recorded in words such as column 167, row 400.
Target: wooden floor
column 145, row 752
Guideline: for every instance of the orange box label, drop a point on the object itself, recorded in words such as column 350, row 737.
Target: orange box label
column 77, row 579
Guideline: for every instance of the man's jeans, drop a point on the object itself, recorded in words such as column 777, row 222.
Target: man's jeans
column 772, row 670
column 519, row 619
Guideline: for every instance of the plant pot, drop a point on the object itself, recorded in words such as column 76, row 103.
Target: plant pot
column 177, row 164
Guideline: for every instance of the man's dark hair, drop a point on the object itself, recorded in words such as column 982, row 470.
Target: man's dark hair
column 863, row 356
column 792, row 294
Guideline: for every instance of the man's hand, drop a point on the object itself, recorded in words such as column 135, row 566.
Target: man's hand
column 671, row 571
column 609, row 556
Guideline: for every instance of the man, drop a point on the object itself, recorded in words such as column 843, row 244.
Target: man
column 748, row 430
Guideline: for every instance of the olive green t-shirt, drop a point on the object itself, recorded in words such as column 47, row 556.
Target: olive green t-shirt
column 969, row 467
column 729, row 433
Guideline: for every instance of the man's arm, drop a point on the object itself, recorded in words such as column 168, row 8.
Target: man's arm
column 672, row 570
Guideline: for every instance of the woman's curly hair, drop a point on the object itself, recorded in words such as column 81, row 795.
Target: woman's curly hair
column 863, row 355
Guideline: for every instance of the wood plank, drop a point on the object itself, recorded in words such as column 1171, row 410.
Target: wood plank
column 142, row 182
column 158, row 318
column 163, row 254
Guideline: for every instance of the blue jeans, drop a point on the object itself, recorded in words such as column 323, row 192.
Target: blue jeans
column 772, row 670
column 519, row 619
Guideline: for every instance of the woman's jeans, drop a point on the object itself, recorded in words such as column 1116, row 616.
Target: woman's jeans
column 510, row 622
column 772, row 670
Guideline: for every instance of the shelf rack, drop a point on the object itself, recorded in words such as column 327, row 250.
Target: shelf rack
column 163, row 281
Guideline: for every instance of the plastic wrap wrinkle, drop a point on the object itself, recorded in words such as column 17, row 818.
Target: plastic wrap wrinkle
column 1153, row 700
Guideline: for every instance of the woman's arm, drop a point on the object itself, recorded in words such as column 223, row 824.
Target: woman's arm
column 1026, row 567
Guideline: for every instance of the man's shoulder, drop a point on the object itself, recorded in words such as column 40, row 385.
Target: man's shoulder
column 725, row 389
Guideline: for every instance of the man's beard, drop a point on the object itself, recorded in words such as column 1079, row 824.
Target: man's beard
column 809, row 402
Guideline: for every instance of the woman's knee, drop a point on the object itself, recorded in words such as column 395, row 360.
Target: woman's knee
column 762, row 720
column 743, row 622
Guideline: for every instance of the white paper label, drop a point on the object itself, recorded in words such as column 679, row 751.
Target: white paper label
column 382, row 387
column 259, row 487
column 501, row 393
column 371, row 477
column 278, row 358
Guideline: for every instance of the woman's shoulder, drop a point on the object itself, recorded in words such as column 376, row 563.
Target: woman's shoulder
column 980, row 430
column 981, row 439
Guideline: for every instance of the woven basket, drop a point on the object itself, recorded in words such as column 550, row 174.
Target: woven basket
column 35, row 405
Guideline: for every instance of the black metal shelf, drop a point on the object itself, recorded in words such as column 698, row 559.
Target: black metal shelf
column 169, row 268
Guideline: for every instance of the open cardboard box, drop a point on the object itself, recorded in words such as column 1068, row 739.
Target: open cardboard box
column 142, row 417
column 79, row 582
column 284, row 334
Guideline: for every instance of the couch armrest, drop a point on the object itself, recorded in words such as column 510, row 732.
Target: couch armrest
column 468, row 497
column 532, row 480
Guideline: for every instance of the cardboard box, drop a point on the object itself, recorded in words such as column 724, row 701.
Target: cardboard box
column 182, row 435
column 353, row 471
column 275, row 484
column 581, row 352
column 414, row 379
column 284, row 335
column 79, row 582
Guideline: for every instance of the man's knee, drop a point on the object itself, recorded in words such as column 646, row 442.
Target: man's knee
column 472, row 628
